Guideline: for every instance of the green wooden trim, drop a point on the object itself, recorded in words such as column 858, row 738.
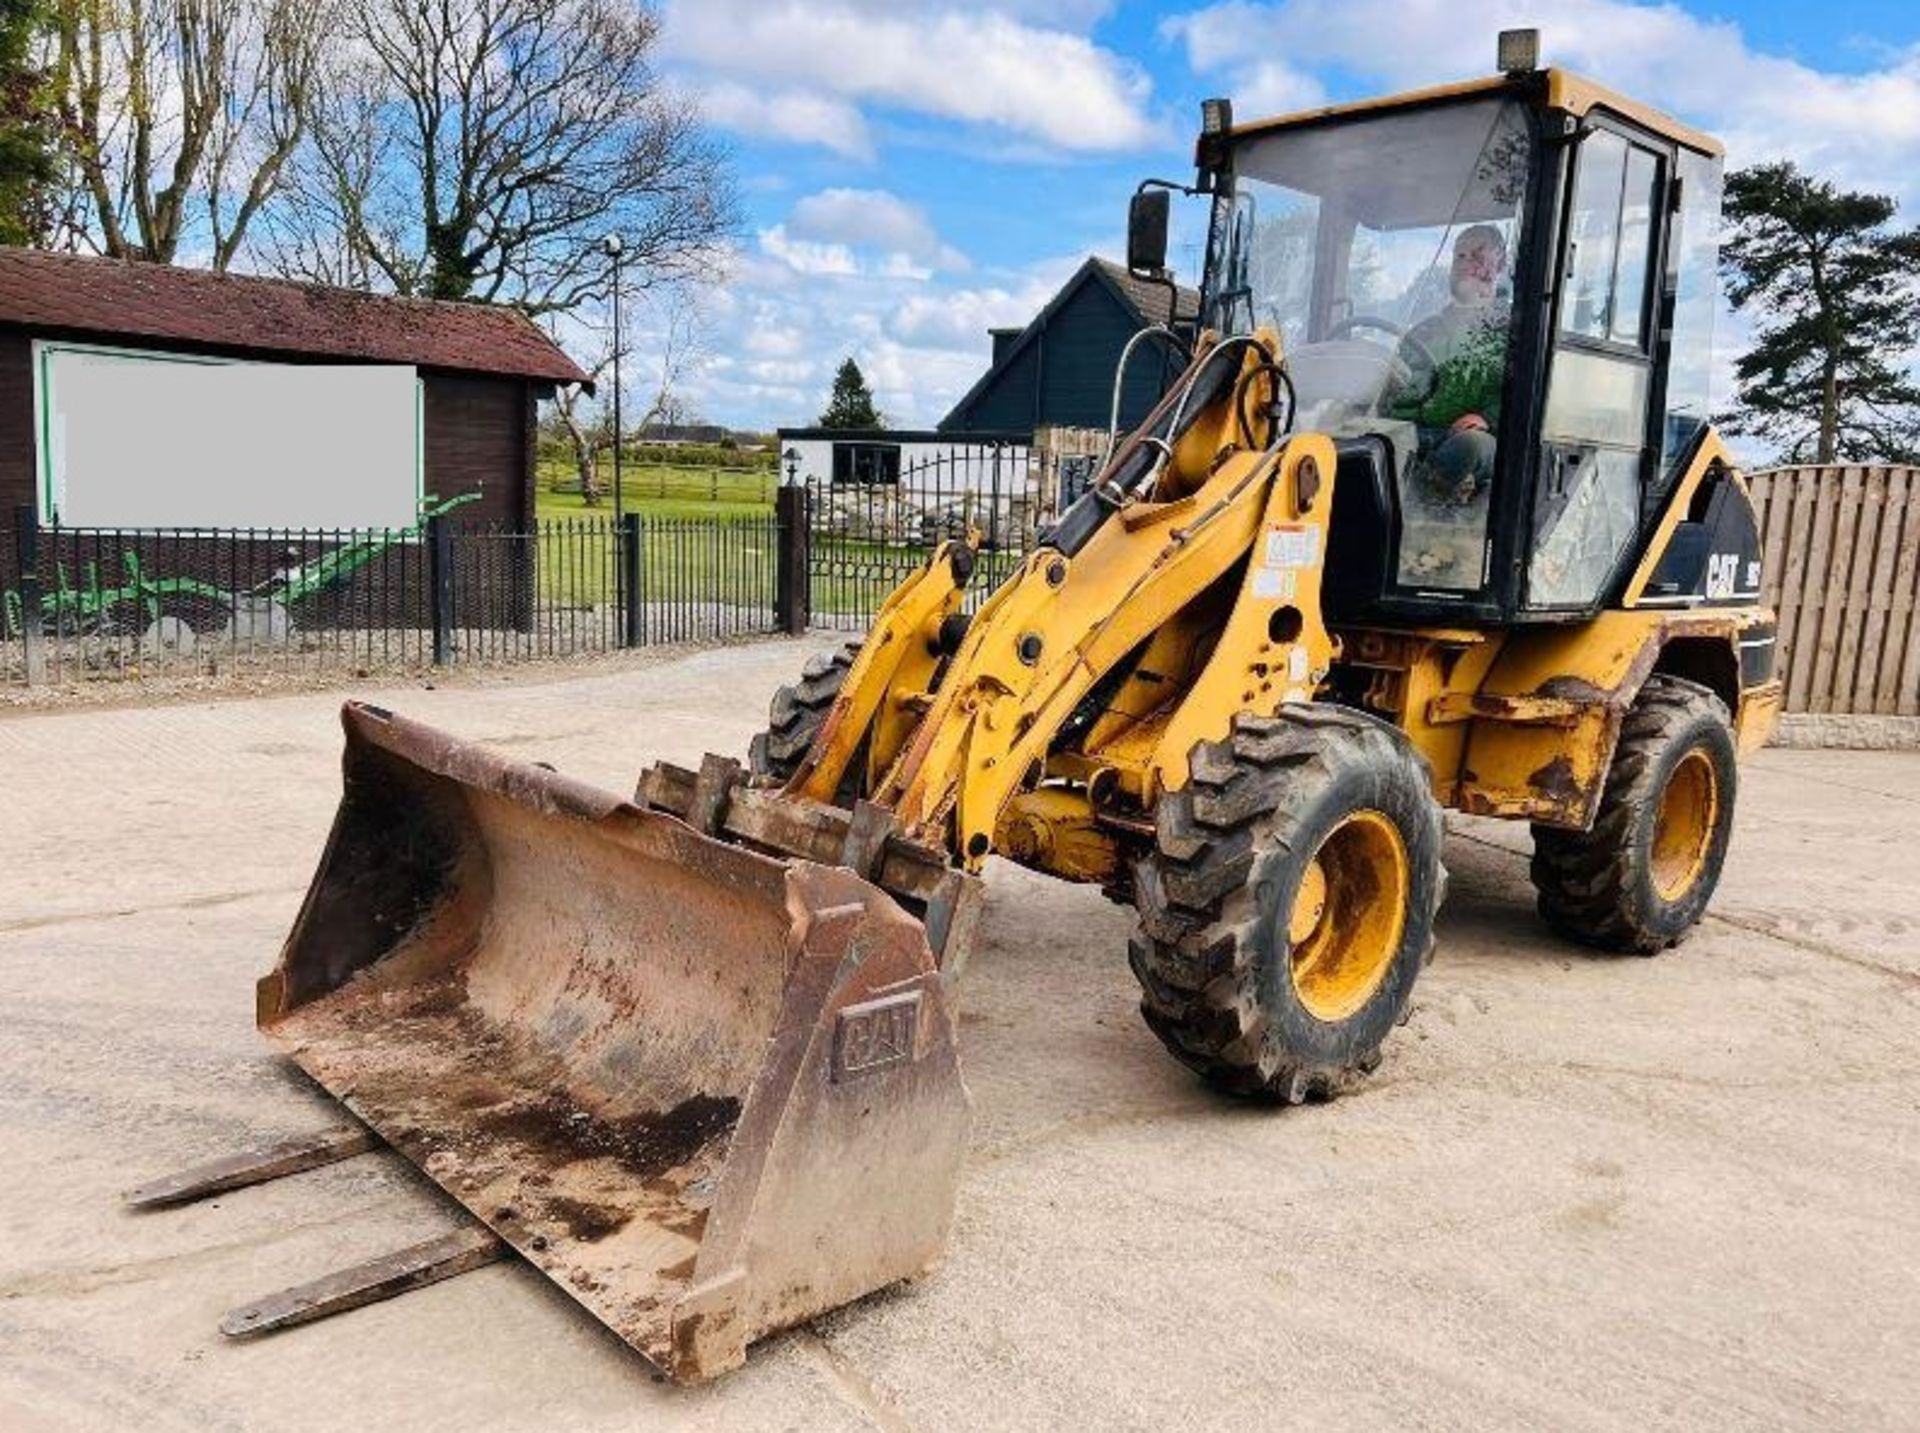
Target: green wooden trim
column 419, row 441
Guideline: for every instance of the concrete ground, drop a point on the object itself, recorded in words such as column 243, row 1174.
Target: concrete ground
column 1582, row 1192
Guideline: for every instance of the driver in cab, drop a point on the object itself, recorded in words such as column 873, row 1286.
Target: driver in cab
column 1457, row 361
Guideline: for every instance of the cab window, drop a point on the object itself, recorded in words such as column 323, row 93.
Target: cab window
column 1594, row 431
column 1383, row 250
column 1693, row 272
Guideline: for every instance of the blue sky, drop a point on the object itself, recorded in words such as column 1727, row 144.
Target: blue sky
column 915, row 171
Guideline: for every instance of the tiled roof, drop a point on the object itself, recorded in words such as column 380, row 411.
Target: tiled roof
column 112, row 299
column 1148, row 297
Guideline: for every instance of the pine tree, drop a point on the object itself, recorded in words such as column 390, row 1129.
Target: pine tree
column 851, row 403
column 1838, row 293
column 26, row 163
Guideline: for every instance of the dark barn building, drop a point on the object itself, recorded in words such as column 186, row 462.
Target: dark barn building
column 482, row 369
column 1059, row 369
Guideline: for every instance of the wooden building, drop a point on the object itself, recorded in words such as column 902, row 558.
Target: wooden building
column 1058, row 371
column 473, row 374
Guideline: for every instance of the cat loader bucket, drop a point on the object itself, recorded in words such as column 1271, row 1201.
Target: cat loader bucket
column 708, row 1091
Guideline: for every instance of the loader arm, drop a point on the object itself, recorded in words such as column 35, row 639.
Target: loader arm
column 899, row 656
column 1063, row 622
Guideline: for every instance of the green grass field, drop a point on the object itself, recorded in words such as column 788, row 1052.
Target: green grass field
column 709, row 537
column 660, row 490
column 709, row 558
column 702, row 557
column 724, row 555
column 686, row 555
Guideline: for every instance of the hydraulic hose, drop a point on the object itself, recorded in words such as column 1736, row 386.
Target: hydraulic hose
column 1208, row 381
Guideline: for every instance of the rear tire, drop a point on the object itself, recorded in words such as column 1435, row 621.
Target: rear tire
column 1287, row 906
column 1640, row 880
column 797, row 713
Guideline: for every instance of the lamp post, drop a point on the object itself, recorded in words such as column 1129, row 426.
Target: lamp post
column 613, row 248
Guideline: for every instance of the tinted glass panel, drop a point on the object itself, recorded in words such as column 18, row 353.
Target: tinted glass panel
column 1382, row 251
column 866, row 463
column 1596, row 398
column 1589, row 510
column 1593, row 235
column 1628, row 321
column 1594, row 431
column 1696, row 247
column 1610, row 241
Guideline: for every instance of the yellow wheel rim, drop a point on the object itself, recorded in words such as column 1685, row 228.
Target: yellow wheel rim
column 1683, row 826
column 1348, row 915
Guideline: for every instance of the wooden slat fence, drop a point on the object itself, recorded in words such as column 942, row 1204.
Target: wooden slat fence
column 1840, row 547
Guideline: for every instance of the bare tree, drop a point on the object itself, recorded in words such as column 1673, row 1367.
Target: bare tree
column 481, row 149
column 176, row 114
column 324, row 225
column 256, row 132
column 671, row 344
column 585, row 425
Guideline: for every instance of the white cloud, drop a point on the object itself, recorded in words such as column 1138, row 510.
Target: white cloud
column 874, row 219
column 960, row 319
column 776, row 340
column 1264, row 83
column 767, row 337
column 1067, row 14
column 955, row 63
column 859, row 231
column 1863, row 128
column 780, row 372
column 1275, row 87
column 791, row 116
column 805, row 256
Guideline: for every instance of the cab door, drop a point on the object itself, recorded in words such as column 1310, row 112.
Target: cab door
column 1595, row 452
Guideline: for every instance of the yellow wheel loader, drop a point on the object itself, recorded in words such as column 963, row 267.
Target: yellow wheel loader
column 1433, row 518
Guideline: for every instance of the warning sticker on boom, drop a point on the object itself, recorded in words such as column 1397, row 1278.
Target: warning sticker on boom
column 1291, row 544
column 1285, row 548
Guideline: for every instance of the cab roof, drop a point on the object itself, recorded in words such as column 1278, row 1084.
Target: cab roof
column 1557, row 89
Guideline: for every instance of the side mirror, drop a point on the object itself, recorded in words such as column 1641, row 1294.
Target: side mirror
column 1147, row 219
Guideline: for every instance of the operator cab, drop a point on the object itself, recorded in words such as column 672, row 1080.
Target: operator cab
column 1497, row 297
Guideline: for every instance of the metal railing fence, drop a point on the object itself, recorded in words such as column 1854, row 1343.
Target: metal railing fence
column 95, row 605
column 89, row 605
column 866, row 537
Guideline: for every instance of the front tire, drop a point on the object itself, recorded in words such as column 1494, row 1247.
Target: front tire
column 797, row 713
column 1287, row 907
column 1640, row 880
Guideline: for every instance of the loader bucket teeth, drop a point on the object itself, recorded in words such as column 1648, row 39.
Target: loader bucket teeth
column 708, row 1092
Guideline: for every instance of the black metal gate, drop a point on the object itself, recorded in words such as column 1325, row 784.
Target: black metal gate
column 868, row 532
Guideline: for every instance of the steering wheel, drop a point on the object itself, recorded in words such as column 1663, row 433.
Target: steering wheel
column 1424, row 361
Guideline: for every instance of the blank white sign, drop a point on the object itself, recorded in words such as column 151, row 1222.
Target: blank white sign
column 153, row 440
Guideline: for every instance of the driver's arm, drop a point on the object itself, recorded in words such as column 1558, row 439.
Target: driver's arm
column 1464, row 395
column 1414, row 381
column 1483, row 363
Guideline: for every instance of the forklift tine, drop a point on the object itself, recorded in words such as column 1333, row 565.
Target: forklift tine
column 413, row 1267
column 254, row 1166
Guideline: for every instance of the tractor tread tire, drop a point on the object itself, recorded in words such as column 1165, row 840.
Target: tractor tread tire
column 1589, row 883
column 1220, row 842
column 797, row 712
